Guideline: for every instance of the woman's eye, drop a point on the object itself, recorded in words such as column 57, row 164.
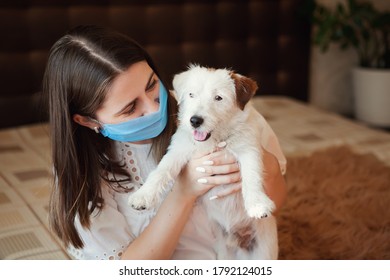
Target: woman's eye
column 131, row 109
column 191, row 95
column 151, row 85
column 218, row 98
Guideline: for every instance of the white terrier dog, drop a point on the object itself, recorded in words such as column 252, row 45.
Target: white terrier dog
column 214, row 106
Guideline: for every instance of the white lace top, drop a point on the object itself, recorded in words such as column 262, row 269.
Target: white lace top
column 117, row 224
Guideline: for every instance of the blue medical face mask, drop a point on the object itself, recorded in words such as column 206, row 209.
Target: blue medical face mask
column 142, row 128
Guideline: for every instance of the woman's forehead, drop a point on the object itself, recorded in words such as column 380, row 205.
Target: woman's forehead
column 127, row 86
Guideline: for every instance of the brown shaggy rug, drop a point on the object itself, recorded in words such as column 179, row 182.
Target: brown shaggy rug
column 338, row 207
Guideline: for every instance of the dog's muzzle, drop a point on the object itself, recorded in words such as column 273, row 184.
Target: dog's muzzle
column 196, row 122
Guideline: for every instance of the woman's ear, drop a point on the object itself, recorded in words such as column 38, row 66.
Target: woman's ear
column 87, row 122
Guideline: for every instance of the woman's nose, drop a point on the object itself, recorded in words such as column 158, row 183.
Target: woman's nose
column 150, row 104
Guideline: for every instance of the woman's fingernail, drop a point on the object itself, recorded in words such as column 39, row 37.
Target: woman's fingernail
column 213, row 197
column 208, row 162
column 201, row 169
column 202, row 181
column 221, row 144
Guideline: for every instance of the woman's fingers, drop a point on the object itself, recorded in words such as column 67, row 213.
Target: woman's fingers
column 219, row 169
column 221, row 179
column 222, row 157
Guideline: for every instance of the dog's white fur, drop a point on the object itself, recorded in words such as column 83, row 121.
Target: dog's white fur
column 243, row 221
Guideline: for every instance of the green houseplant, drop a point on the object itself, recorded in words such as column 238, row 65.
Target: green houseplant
column 359, row 25
column 354, row 24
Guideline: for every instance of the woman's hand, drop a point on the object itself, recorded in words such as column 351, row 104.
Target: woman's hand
column 205, row 171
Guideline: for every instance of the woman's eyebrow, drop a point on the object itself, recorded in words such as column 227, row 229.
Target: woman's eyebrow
column 124, row 108
column 131, row 102
column 149, row 80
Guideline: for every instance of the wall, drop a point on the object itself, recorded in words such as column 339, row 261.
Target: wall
column 264, row 39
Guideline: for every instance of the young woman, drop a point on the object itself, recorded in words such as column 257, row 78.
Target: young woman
column 111, row 120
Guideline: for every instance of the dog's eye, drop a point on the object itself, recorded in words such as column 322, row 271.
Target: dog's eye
column 218, row 98
column 191, row 95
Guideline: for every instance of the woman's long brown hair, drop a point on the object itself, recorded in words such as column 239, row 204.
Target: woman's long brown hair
column 80, row 69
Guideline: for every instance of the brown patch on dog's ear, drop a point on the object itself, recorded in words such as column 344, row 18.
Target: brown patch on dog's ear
column 245, row 89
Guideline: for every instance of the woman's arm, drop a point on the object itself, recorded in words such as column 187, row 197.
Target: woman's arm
column 110, row 235
column 274, row 182
column 160, row 238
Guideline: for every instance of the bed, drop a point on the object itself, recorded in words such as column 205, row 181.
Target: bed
column 303, row 131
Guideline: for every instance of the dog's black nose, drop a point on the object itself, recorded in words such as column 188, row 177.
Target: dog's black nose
column 196, row 121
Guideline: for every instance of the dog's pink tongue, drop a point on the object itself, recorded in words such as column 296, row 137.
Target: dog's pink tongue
column 200, row 136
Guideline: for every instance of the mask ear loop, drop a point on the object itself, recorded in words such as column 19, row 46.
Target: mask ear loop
column 96, row 128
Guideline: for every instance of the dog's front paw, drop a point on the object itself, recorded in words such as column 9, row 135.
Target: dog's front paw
column 142, row 200
column 261, row 207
